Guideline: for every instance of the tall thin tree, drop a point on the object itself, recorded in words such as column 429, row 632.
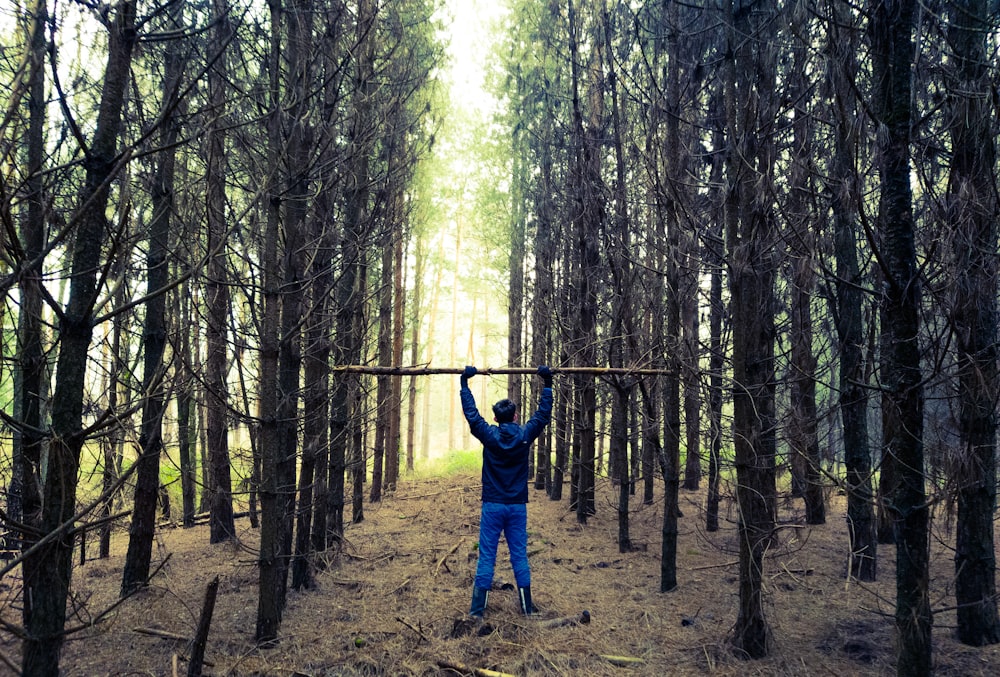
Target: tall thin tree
column 154, row 339
column 973, row 211
column 752, row 261
column 891, row 27
column 844, row 200
column 48, row 571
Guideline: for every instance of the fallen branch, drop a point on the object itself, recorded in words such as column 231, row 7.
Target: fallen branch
column 479, row 672
column 9, row 663
column 716, row 566
column 417, row 630
column 162, row 634
column 344, row 582
column 494, row 371
column 582, row 619
column 622, row 661
column 399, row 587
column 446, row 556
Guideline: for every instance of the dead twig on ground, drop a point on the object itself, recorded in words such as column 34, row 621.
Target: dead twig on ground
column 582, row 619
column 440, row 562
column 162, row 634
column 418, row 629
column 399, row 587
column 479, row 672
column 622, row 661
column 716, row 566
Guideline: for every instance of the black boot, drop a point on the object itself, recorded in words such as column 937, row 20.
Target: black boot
column 479, row 598
column 524, row 597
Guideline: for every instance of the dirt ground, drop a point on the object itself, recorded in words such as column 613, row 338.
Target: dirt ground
column 393, row 602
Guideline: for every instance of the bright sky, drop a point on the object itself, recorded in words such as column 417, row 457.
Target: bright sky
column 470, row 36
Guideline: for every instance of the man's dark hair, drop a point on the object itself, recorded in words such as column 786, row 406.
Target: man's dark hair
column 504, row 411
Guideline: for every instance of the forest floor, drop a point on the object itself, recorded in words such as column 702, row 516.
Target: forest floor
column 394, row 600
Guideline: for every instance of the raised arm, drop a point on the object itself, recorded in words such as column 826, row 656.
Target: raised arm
column 543, row 414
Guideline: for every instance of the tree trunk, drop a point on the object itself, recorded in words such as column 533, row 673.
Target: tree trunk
column 515, row 259
column 24, row 500
column 562, row 409
column 617, row 240
column 891, row 29
column 973, row 213
column 357, row 450
column 850, row 324
column 753, row 261
column 321, row 348
column 398, row 313
column 187, row 435
column 715, row 260
column 669, row 211
column 588, row 215
column 147, row 476
column 47, row 573
column 270, row 599
column 112, row 443
column 541, row 330
column 416, row 314
column 383, row 392
column 351, row 288
column 803, row 424
column 219, row 489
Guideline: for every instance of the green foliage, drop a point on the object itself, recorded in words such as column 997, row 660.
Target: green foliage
column 455, row 462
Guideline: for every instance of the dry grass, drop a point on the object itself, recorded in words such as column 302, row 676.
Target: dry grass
column 388, row 604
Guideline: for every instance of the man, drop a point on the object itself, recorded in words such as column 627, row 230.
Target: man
column 506, row 450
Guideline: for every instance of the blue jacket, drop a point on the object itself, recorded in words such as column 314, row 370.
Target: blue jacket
column 506, row 449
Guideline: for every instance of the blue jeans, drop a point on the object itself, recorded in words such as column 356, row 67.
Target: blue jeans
column 512, row 520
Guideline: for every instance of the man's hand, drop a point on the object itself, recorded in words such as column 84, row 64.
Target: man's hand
column 546, row 375
column 468, row 373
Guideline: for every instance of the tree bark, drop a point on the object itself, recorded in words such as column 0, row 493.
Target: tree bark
column 617, row 241
column 853, row 399
column 588, row 215
column 803, row 424
column 383, row 387
column 891, row 29
column 270, row 585
column 24, row 500
column 753, row 258
column 973, row 212
column 394, row 445
column 187, row 435
column 715, row 259
column 147, row 476
column 669, row 211
column 219, row 489
column 47, row 573
column 351, row 288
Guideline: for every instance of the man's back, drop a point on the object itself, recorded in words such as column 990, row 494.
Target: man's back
column 506, row 449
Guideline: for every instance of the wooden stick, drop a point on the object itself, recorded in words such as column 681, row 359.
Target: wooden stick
column 480, row 672
column 582, row 619
column 419, row 632
column 204, row 624
column 622, row 661
column 445, row 556
column 163, row 634
column 493, row 371
column 9, row 663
